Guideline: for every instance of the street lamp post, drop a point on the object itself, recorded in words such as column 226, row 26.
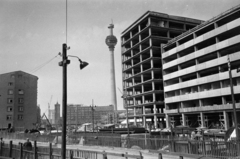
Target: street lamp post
column 92, row 109
column 126, row 105
column 233, row 101
column 64, row 64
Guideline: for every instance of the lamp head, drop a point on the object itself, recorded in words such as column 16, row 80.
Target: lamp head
column 83, row 64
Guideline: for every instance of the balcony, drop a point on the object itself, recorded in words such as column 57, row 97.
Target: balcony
column 203, row 37
column 202, row 80
column 203, row 109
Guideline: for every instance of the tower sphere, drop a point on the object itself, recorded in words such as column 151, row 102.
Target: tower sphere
column 111, row 41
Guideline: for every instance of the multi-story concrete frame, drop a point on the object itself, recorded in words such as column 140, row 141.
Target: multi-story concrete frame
column 18, row 100
column 196, row 76
column 141, row 62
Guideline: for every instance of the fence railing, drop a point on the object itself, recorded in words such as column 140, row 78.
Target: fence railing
column 10, row 151
column 207, row 146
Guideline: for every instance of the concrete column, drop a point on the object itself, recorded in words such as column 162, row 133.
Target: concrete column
column 168, row 34
column 181, row 105
column 167, row 121
column 134, row 111
column 226, row 120
column 223, row 100
column 152, row 74
column 140, row 47
column 142, row 92
column 144, row 118
column 135, row 121
column 155, row 121
column 153, row 86
column 177, row 43
column 133, row 83
column 139, row 28
column 150, row 31
column 141, row 58
column 194, row 35
column 131, row 35
column 134, row 99
column 183, row 119
column 154, row 108
column 131, row 44
column 179, row 68
column 202, row 119
column 150, row 42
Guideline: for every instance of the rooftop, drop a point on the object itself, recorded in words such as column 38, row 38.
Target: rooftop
column 227, row 12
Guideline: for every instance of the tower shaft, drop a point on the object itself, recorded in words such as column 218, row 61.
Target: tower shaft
column 111, row 41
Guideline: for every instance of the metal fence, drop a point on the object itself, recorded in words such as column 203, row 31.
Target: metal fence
column 208, row 146
column 18, row 152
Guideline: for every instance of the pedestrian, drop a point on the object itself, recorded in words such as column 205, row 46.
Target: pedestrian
column 27, row 146
column 2, row 142
column 193, row 135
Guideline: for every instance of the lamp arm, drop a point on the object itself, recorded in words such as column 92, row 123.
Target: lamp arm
column 75, row 57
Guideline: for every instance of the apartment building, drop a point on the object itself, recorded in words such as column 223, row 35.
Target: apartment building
column 196, row 73
column 79, row 114
column 142, row 64
column 18, row 100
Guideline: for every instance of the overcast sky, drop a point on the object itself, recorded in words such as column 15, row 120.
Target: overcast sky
column 32, row 33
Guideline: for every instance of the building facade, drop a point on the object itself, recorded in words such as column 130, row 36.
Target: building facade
column 142, row 63
column 18, row 101
column 79, row 114
column 196, row 73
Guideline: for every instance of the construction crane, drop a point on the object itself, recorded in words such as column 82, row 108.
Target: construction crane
column 49, row 107
column 48, row 124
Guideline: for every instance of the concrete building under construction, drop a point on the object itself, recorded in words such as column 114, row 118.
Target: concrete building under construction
column 196, row 73
column 142, row 63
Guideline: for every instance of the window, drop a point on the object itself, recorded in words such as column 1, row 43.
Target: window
column 9, row 109
column 10, row 91
column 10, row 100
column 20, row 100
column 10, row 83
column 20, row 117
column 20, row 108
column 20, row 91
column 12, row 76
column 19, row 76
column 9, row 117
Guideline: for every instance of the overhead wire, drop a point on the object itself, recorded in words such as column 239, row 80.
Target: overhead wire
column 66, row 20
column 44, row 64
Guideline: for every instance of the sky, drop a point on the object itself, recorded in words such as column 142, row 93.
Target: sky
column 32, row 33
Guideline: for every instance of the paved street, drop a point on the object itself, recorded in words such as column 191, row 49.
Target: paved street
column 146, row 154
